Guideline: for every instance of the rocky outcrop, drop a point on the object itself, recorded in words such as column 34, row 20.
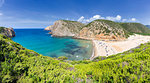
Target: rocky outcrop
column 65, row 28
column 9, row 32
column 97, row 29
column 48, row 28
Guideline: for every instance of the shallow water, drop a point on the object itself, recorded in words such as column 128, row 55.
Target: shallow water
column 41, row 42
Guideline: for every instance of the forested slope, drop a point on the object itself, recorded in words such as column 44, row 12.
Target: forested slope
column 18, row 64
column 135, row 28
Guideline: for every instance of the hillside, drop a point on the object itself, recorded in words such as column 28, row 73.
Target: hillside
column 18, row 64
column 97, row 29
column 135, row 28
column 65, row 28
column 9, row 32
column 103, row 29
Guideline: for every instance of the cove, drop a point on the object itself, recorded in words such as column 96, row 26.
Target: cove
column 40, row 41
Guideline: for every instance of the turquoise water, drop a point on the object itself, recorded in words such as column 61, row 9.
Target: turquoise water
column 42, row 42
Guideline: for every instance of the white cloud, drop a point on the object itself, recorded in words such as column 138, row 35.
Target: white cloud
column 96, row 17
column 130, row 20
column 117, row 18
column 1, row 14
column 124, row 20
column 81, row 19
column 102, row 17
column 133, row 19
column 86, row 20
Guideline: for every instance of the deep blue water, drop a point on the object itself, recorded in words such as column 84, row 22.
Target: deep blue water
column 42, row 42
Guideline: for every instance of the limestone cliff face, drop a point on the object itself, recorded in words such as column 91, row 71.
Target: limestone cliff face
column 65, row 28
column 9, row 32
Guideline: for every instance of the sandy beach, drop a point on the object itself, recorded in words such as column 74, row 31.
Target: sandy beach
column 106, row 48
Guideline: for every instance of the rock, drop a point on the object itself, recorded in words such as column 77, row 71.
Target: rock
column 50, row 32
column 9, row 32
column 48, row 28
column 65, row 28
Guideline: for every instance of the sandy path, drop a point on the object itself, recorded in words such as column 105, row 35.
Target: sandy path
column 102, row 48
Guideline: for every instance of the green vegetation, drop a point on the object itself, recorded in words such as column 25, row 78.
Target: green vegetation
column 135, row 28
column 119, row 28
column 108, row 22
column 70, row 21
column 100, row 26
column 18, row 64
column 73, row 26
column 107, row 26
column 1, row 29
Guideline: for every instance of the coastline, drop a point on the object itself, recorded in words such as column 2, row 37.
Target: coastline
column 111, row 47
column 94, row 52
column 107, row 48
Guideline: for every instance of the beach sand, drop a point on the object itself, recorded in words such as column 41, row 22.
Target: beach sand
column 106, row 48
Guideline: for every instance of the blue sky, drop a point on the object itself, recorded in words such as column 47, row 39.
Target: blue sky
column 42, row 13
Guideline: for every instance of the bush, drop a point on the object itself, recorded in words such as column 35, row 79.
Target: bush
column 62, row 58
column 18, row 64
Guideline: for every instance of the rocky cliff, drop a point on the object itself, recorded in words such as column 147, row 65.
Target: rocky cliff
column 9, row 32
column 97, row 29
column 65, row 28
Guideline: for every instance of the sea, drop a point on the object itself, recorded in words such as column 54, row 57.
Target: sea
column 43, row 43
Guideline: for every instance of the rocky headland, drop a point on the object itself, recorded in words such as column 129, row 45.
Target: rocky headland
column 65, row 28
column 9, row 32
